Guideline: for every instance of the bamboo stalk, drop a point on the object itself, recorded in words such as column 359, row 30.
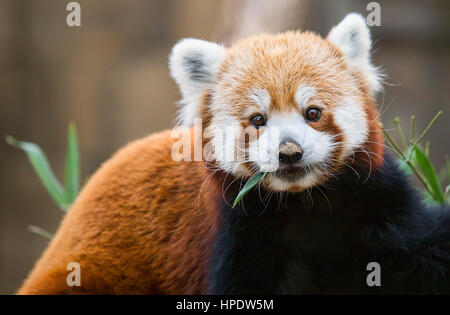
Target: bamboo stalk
column 399, row 152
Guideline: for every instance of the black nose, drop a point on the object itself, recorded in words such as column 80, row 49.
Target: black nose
column 290, row 158
column 290, row 152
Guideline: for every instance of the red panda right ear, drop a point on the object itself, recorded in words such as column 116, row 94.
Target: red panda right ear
column 352, row 37
column 193, row 65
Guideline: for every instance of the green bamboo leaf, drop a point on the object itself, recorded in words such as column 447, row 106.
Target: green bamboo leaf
column 40, row 231
column 409, row 153
column 443, row 175
column 427, row 128
column 72, row 167
column 427, row 149
column 405, row 167
column 400, row 132
column 411, row 128
column 430, row 174
column 248, row 186
column 40, row 164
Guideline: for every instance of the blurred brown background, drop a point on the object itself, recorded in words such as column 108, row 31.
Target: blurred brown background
column 110, row 77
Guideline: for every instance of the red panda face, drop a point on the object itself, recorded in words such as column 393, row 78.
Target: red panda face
column 295, row 106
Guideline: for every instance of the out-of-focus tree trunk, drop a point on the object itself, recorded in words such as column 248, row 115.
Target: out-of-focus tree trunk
column 240, row 19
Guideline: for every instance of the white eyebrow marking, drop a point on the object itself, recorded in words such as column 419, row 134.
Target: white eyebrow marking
column 303, row 94
column 260, row 97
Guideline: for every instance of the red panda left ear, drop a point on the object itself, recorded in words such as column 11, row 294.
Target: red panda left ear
column 352, row 37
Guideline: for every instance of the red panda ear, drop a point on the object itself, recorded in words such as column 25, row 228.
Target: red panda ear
column 352, row 37
column 193, row 65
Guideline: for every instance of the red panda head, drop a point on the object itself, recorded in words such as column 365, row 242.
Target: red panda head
column 294, row 105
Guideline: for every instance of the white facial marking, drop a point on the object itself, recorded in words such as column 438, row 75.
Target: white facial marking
column 224, row 131
column 262, row 150
column 261, row 98
column 317, row 147
column 351, row 119
column 279, row 184
column 304, row 94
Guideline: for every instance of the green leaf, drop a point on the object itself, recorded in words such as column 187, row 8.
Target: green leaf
column 40, row 164
column 409, row 154
column 248, row 186
column 400, row 132
column 405, row 167
column 40, row 231
column 430, row 174
column 447, row 189
column 72, row 167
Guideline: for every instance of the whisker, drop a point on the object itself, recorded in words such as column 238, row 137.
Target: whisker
column 329, row 203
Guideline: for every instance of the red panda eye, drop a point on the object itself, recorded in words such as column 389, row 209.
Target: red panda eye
column 258, row 121
column 313, row 114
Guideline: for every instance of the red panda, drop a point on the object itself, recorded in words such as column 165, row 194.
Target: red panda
column 330, row 202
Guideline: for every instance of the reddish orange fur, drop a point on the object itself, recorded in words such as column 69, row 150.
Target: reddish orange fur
column 304, row 57
column 137, row 227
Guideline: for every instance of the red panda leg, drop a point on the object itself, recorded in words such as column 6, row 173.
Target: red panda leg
column 55, row 282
